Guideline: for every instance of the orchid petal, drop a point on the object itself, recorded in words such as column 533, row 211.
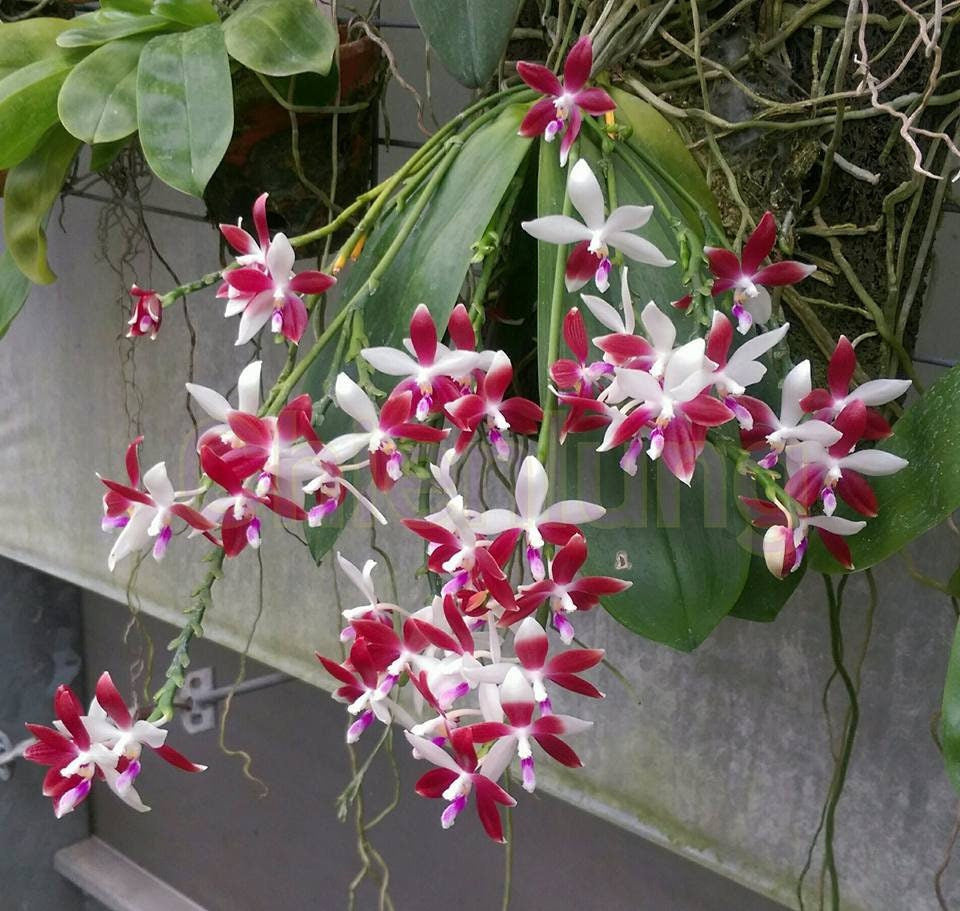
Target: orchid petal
column 531, row 490
column 628, row 218
column 874, row 462
column 879, row 392
column 210, row 401
column 355, row 402
column 638, row 249
column 390, row 361
column 584, row 191
column 557, row 229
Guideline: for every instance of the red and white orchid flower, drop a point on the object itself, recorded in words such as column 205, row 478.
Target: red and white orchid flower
column 457, row 776
column 560, row 111
column 556, row 523
column 597, row 234
column 380, row 432
column 145, row 515
column 147, row 313
column 263, row 286
column 748, row 279
column 430, row 375
column 769, row 430
column 826, row 404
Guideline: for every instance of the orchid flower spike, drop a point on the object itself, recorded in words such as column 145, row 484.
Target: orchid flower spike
column 594, row 237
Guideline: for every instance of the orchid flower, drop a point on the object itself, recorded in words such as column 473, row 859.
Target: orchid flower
column 748, row 280
column 734, row 372
column 785, row 538
column 217, row 407
column 556, row 524
column 145, row 515
column 578, row 375
column 517, row 701
column 429, row 375
column 678, row 411
column 531, row 646
column 330, row 487
column 560, row 110
column 487, row 406
column 263, row 286
column 594, row 237
column 380, row 432
column 363, row 581
column 817, row 471
column 147, row 313
column 457, row 776
column 236, row 513
column 566, row 593
column 767, row 429
column 826, row 404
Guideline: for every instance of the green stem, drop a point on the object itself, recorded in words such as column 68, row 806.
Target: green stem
column 544, row 441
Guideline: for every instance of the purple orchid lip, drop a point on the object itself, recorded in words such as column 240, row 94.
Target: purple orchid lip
column 359, row 726
column 160, row 545
column 453, row 810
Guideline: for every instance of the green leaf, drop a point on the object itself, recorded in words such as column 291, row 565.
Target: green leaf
column 185, row 106
column 23, row 43
column 950, row 714
column 764, row 595
column 99, row 28
column 192, row 13
column 28, row 106
column 679, row 546
column 14, row 288
column 140, row 7
column 281, row 37
column 469, row 36
column 31, row 190
column 102, row 156
column 98, row 100
column 920, row 496
column 662, row 147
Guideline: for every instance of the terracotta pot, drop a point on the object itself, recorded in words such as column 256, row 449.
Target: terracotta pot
column 260, row 156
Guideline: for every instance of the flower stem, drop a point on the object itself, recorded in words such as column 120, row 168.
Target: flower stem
column 544, row 441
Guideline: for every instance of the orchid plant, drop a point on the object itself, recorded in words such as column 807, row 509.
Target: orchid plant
column 472, row 670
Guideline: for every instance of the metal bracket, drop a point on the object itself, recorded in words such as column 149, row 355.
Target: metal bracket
column 198, row 697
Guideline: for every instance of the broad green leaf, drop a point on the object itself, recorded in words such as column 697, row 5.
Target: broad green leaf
column 661, row 146
column 102, row 156
column 31, row 190
column 469, row 36
column 185, row 106
column 28, row 106
column 920, row 496
column 192, row 13
column 14, row 288
column 140, row 7
column 679, row 546
column 99, row 28
column 281, row 37
column 23, row 43
column 950, row 714
column 433, row 263
column 764, row 595
column 98, row 100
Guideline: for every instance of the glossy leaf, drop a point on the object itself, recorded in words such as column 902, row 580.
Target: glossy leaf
column 950, row 714
column 31, row 190
column 14, row 288
column 99, row 28
column 141, row 7
column 469, row 36
column 102, row 156
column 678, row 545
column 920, row 496
column 764, row 595
column 185, row 106
column 98, row 100
column 661, row 147
column 192, row 13
column 28, row 106
column 281, row 37
column 26, row 42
